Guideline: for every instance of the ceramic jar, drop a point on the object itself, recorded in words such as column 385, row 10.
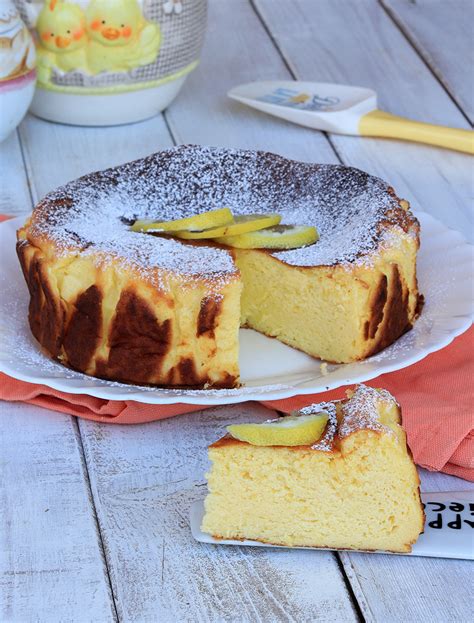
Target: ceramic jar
column 17, row 68
column 105, row 62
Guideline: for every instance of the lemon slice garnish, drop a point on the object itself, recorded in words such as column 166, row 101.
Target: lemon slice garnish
column 198, row 222
column 241, row 225
column 278, row 237
column 293, row 430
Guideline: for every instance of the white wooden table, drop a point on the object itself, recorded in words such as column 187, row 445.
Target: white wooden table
column 94, row 518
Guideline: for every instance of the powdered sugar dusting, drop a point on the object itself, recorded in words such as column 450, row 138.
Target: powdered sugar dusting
column 361, row 411
column 93, row 213
column 326, row 443
column 358, row 413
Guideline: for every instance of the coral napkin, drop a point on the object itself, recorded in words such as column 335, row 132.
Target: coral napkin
column 436, row 395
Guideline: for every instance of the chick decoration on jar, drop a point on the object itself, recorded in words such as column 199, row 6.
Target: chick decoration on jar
column 62, row 36
column 107, row 36
column 119, row 36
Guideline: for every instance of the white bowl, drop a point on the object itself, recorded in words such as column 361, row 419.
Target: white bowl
column 107, row 109
column 17, row 68
column 15, row 97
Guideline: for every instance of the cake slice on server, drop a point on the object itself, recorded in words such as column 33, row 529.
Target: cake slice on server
column 337, row 475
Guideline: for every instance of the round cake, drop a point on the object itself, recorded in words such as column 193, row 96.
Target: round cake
column 140, row 308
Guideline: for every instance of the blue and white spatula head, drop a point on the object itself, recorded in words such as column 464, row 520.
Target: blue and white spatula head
column 344, row 109
column 318, row 105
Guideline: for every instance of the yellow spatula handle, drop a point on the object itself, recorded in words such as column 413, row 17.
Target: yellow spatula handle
column 383, row 124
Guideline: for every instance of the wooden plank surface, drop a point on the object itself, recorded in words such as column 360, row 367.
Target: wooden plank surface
column 442, row 32
column 238, row 50
column 56, row 154
column 144, row 480
column 14, row 192
column 357, row 43
column 51, row 567
column 422, row 590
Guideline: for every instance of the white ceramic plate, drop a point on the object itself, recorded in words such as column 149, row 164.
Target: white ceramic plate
column 269, row 369
column 448, row 528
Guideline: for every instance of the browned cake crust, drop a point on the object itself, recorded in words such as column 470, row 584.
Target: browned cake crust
column 138, row 342
column 110, row 302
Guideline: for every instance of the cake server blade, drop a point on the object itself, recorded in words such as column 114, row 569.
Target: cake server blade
column 344, row 109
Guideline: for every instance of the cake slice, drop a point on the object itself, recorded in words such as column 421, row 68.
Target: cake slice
column 356, row 487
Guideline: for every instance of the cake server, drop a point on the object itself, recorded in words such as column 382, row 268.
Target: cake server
column 344, row 109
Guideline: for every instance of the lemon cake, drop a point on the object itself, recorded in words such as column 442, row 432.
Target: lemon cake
column 354, row 487
column 137, row 308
